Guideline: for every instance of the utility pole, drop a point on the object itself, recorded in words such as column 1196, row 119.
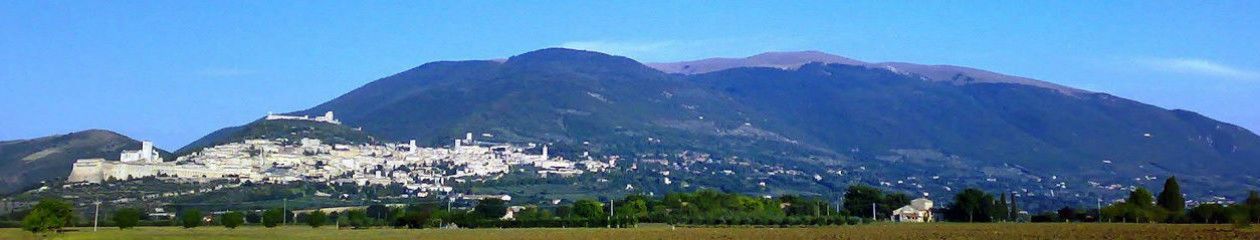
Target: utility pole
column 448, row 209
column 873, row 212
column 611, row 212
column 96, row 215
column 284, row 209
column 839, row 203
column 1099, row 211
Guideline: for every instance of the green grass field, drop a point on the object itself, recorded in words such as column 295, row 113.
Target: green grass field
column 876, row 231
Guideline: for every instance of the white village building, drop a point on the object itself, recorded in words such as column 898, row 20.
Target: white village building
column 919, row 210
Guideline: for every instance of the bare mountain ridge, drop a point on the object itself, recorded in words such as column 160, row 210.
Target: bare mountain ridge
column 792, row 60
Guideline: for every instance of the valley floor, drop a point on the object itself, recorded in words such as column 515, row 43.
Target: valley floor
column 876, row 231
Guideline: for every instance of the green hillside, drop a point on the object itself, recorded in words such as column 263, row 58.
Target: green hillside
column 25, row 163
column 289, row 130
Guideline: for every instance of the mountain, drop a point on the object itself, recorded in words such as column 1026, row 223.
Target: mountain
column 915, row 128
column 552, row 95
column 26, row 163
column 292, row 130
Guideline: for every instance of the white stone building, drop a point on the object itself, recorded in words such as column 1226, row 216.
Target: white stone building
column 919, row 210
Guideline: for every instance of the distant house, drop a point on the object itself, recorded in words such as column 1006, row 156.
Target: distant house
column 919, row 210
column 511, row 213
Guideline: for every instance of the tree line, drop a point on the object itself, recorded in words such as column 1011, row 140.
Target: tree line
column 861, row 204
column 699, row 208
column 1170, row 207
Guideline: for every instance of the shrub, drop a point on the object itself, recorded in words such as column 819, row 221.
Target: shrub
column 126, row 217
column 854, row 220
column 490, row 208
column 253, row 217
column 190, row 218
column 1240, row 220
column 48, row 215
column 316, row 219
column 359, row 219
column 232, row 219
column 272, row 217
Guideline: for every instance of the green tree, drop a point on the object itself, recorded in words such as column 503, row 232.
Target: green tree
column 1171, row 199
column 1141, row 198
column 988, row 206
column 190, row 218
column 894, row 201
column 418, row 216
column 377, row 211
column 1067, row 214
column 48, row 215
column 1253, row 205
column 1112, row 213
column 126, row 217
column 1001, row 211
column 632, row 207
column 232, row 219
column 1014, row 209
column 253, row 217
column 1238, row 216
column 357, row 219
column 316, row 219
column 1143, row 206
column 533, row 213
column 1208, row 213
column 858, row 200
column 272, row 217
column 589, row 209
column 972, row 205
column 490, row 208
column 1139, row 207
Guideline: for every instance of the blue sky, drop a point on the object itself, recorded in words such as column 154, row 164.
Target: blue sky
column 173, row 71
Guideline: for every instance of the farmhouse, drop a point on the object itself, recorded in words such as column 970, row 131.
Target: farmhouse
column 919, row 210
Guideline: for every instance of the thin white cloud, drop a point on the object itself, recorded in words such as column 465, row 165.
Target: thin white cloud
column 1199, row 67
column 224, row 72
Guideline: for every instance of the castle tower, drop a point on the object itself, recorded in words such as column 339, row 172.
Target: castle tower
column 148, row 153
column 545, row 157
column 146, row 147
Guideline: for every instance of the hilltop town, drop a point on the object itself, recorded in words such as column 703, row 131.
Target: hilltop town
column 421, row 170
